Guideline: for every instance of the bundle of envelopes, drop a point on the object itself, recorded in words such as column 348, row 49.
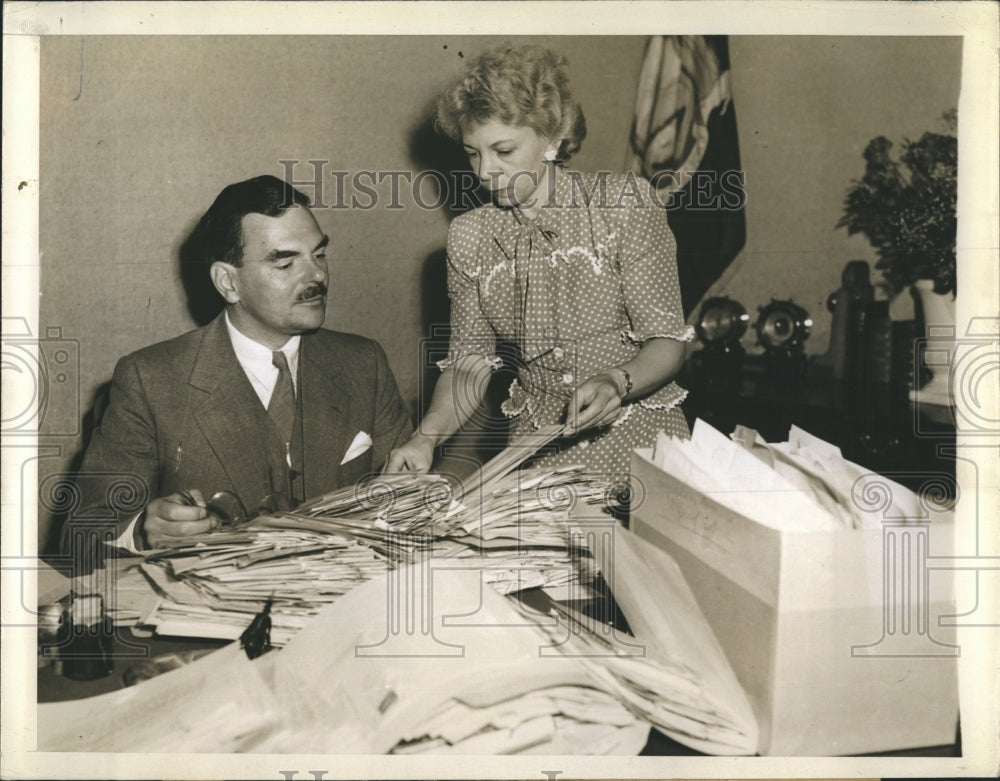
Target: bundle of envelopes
column 802, row 484
column 398, row 637
column 211, row 586
column 517, row 519
column 477, row 688
column 470, row 673
column 214, row 586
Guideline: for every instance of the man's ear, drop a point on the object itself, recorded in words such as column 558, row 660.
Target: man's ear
column 224, row 279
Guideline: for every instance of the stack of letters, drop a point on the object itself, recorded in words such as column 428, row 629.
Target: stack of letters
column 214, row 584
column 213, row 588
column 474, row 673
column 803, row 484
column 394, row 643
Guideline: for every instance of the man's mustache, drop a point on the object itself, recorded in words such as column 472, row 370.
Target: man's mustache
column 314, row 290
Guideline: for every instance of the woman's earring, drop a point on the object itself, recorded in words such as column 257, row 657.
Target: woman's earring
column 550, row 155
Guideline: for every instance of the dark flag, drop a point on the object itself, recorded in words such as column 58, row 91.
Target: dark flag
column 684, row 141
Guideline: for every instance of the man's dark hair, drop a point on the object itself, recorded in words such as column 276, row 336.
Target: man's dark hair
column 219, row 234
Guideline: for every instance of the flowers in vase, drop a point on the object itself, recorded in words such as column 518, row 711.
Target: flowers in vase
column 905, row 205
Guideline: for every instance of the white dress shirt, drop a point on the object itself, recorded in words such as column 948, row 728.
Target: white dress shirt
column 255, row 359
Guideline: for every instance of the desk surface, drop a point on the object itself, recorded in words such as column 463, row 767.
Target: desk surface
column 129, row 650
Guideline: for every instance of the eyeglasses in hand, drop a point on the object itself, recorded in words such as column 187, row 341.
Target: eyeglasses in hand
column 227, row 507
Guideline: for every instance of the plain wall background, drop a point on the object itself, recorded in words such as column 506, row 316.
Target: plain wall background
column 140, row 133
column 807, row 106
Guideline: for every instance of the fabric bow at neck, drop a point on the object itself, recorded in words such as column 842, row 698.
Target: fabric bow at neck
column 528, row 247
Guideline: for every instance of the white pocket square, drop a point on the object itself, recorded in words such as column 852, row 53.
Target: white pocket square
column 361, row 444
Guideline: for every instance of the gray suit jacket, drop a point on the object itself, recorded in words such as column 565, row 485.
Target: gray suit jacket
column 182, row 414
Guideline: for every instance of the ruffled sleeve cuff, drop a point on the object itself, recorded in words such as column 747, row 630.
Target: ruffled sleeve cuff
column 665, row 398
column 680, row 334
column 493, row 361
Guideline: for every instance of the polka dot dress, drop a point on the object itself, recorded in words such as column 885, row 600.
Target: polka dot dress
column 578, row 289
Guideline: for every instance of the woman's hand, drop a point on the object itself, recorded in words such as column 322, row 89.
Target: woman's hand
column 597, row 402
column 416, row 455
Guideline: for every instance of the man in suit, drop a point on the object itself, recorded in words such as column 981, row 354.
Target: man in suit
column 261, row 403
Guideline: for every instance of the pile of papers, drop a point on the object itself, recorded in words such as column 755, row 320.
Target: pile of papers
column 474, row 682
column 481, row 689
column 483, row 678
column 214, row 586
column 397, row 638
column 803, row 484
column 670, row 671
column 408, row 515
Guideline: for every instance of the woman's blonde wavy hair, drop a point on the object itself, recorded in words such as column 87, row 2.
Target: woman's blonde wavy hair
column 518, row 86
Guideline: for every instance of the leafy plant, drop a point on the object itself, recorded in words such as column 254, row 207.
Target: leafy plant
column 905, row 207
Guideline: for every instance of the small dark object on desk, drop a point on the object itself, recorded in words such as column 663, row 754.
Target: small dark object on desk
column 84, row 639
column 256, row 638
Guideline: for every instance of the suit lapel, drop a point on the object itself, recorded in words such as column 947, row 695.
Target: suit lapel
column 228, row 414
column 326, row 415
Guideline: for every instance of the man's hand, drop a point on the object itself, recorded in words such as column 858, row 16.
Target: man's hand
column 594, row 403
column 416, row 455
column 171, row 516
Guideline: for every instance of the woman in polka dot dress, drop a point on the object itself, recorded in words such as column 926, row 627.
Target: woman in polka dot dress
column 578, row 270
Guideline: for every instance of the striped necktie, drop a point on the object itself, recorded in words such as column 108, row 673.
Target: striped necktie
column 282, row 405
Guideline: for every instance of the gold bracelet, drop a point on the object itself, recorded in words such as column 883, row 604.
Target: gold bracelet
column 628, row 383
column 625, row 386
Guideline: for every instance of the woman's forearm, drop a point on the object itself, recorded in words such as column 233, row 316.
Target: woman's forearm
column 658, row 362
column 457, row 395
